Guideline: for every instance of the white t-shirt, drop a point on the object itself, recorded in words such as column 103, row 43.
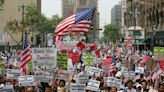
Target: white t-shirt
column 130, row 90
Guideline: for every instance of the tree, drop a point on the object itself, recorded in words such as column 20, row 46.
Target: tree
column 111, row 33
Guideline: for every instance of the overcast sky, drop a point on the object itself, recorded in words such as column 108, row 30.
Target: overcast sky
column 53, row 7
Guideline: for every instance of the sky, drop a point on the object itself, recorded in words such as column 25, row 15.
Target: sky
column 53, row 7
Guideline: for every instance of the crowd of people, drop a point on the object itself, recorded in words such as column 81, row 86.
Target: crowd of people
column 113, row 62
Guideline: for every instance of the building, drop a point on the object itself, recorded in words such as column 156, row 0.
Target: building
column 147, row 13
column 67, row 8
column 13, row 10
column 123, row 27
column 116, row 15
column 80, row 5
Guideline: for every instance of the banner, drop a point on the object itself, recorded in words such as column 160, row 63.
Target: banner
column 62, row 60
column 93, row 85
column 88, row 60
column 78, row 87
column 44, row 57
column 81, row 78
column 7, row 88
column 26, row 80
column 129, row 75
column 13, row 73
column 139, row 70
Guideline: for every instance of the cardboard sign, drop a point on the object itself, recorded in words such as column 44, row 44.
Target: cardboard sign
column 139, row 70
column 26, row 80
column 78, row 87
column 13, row 73
column 93, row 71
column 46, row 79
column 62, row 60
column 7, row 88
column 93, row 85
column 44, row 57
column 88, row 60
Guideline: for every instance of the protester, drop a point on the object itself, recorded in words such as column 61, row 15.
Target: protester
column 129, row 87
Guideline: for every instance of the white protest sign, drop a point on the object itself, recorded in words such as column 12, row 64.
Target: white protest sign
column 139, row 70
column 129, row 75
column 111, row 82
column 81, row 78
column 26, row 80
column 93, row 71
column 93, row 85
column 62, row 76
column 13, row 73
column 78, row 87
column 7, row 88
column 124, row 69
column 44, row 57
column 46, row 79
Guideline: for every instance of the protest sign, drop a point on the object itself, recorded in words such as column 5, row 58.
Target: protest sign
column 46, row 79
column 88, row 60
column 29, row 66
column 44, row 57
column 139, row 70
column 106, row 62
column 81, row 78
column 114, row 82
column 7, row 88
column 13, row 73
column 93, row 71
column 93, row 85
column 124, row 69
column 129, row 75
column 62, row 76
column 62, row 60
column 26, row 80
column 74, row 56
column 78, row 87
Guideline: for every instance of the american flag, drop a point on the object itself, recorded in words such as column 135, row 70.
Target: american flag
column 26, row 53
column 157, row 72
column 79, row 22
column 112, row 68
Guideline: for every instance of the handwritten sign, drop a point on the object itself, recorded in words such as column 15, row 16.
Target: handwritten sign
column 44, row 57
column 78, row 87
column 26, row 80
column 93, row 85
column 62, row 60
column 88, row 60
column 13, row 73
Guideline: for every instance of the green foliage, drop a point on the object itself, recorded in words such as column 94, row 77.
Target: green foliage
column 2, row 2
column 111, row 33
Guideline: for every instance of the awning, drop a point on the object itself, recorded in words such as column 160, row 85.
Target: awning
column 143, row 41
column 135, row 28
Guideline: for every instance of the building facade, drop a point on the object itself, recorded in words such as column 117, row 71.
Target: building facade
column 147, row 13
column 12, row 10
column 80, row 5
column 116, row 15
column 67, row 8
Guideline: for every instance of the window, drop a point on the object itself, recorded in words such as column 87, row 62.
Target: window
column 82, row 2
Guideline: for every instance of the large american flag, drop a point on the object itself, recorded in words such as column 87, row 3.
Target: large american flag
column 79, row 22
column 26, row 53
